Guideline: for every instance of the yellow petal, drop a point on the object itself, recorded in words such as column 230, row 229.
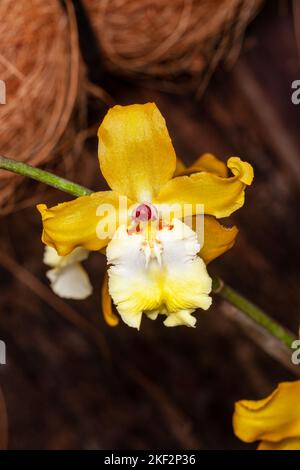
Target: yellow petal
column 217, row 239
column 292, row 443
column 206, row 162
column 136, row 154
column 180, row 167
column 220, row 196
column 273, row 419
column 88, row 222
column 106, row 302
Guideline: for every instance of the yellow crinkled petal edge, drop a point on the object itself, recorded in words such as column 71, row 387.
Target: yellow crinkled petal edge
column 220, row 196
column 272, row 419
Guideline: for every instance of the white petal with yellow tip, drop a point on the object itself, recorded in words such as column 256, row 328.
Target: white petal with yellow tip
column 158, row 275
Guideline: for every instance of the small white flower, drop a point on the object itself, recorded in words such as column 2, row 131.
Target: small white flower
column 67, row 277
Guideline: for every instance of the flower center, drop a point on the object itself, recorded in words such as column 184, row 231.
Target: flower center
column 145, row 212
column 152, row 250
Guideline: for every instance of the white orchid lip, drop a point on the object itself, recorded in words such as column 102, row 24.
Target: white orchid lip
column 156, row 270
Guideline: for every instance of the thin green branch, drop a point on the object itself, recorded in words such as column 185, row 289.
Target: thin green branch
column 257, row 315
column 43, row 177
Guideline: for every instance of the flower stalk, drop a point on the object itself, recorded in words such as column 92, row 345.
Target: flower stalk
column 255, row 313
column 250, row 310
column 43, row 176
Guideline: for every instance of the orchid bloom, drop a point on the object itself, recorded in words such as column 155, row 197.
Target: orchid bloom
column 67, row 277
column 275, row 420
column 156, row 263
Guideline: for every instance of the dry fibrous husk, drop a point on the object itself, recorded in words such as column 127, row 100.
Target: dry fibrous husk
column 40, row 66
column 167, row 39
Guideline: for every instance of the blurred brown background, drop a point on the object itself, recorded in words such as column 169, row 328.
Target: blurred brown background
column 70, row 381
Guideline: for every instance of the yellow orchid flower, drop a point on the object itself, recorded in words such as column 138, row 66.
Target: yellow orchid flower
column 157, row 265
column 275, row 420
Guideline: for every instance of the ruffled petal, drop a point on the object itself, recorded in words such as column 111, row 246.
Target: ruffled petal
column 88, row 222
column 220, row 196
column 136, row 154
column 172, row 281
column 272, row 419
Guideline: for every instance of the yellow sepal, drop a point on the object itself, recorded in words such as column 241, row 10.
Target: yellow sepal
column 220, row 196
column 272, row 419
column 136, row 154
column 88, row 222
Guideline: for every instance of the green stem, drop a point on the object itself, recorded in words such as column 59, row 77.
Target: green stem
column 43, row 176
column 257, row 315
